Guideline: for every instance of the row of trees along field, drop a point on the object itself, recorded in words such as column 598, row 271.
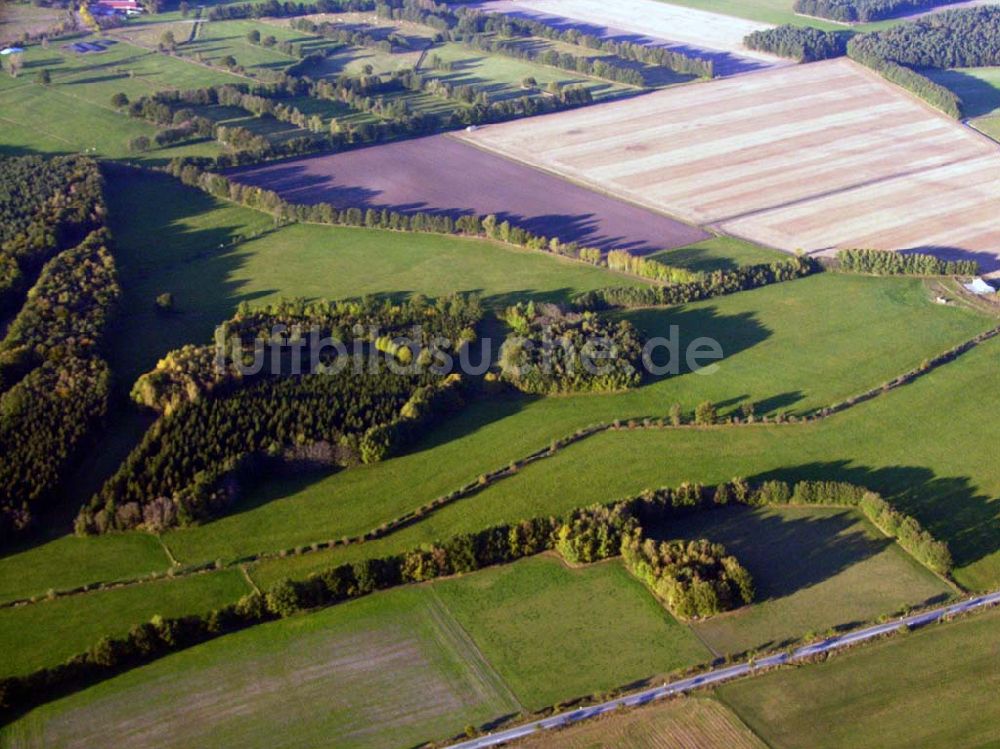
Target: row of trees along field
column 967, row 38
column 802, row 43
column 888, row 263
column 178, row 111
column 54, row 384
column 46, row 205
column 553, row 351
column 194, row 172
column 586, row 535
column 496, row 33
column 864, row 11
column 705, row 286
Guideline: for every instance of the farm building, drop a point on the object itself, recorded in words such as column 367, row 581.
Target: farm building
column 118, row 6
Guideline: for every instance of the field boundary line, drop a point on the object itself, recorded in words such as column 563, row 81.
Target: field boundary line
column 489, row 479
column 449, row 631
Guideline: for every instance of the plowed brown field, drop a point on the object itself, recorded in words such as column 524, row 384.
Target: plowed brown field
column 814, row 157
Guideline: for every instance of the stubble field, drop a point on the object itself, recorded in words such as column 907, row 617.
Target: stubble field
column 812, row 157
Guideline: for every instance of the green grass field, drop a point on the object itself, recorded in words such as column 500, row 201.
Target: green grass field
column 501, row 76
column 393, row 669
column 70, row 561
column 49, row 632
column 719, row 253
column 775, row 12
column 74, row 112
column 213, row 255
column 555, row 633
column 389, row 670
column 979, row 88
column 789, row 347
column 935, row 687
column 814, row 568
column 218, row 39
column 914, row 445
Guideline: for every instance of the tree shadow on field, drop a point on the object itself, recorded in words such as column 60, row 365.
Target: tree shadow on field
column 978, row 97
column 783, row 554
column 683, row 325
column 948, row 506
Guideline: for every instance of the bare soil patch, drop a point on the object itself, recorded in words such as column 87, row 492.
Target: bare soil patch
column 443, row 175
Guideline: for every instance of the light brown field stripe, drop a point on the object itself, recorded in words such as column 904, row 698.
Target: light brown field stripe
column 812, row 156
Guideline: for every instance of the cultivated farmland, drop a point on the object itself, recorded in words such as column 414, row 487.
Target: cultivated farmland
column 690, row 723
column 393, row 669
column 712, row 35
column 936, row 687
column 443, row 175
column 814, row 157
column 390, row 670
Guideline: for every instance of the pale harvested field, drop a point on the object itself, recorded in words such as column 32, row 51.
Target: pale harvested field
column 687, row 723
column 698, row 31
column 811, row 157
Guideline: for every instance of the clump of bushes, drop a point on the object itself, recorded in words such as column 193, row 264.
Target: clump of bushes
column 551, row 351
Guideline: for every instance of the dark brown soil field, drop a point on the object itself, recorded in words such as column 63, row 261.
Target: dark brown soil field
column 445, row 176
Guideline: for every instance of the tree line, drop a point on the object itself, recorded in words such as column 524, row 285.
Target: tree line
column 371, row 94
column 968, row 38
column 46, row 205
column 888, row 263
column 195, row 173
column 193, row 464
column 592, row 533
column 864, row 11
column 552, row 351
column 474, row 27
column 54, row 382
column 802, row 43
column 708, row 285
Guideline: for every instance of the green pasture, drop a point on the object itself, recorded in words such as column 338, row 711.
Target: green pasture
column 914, row 445
column 814, row 569
column 554, row 633
column 47, row 633
column 501, row 77
column 719, row 253
column 978, row 88
column 933, row 687
column 789, row 347
column 393, row 669
column 389, row 670
column 74, row 112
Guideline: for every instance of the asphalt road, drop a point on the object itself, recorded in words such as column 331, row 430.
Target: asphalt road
column 717, row 676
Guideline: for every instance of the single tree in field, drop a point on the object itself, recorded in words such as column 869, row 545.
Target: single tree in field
column 228, row 62
column 14, row 64
column 119, row 100
column 705, row 413
column 253, row 36
column 167, row 41
column 43, row 77
column 139, row 144
column 676, row 416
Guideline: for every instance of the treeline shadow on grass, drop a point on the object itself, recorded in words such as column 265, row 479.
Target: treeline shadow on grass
column 783, row 554
column 949, row 507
